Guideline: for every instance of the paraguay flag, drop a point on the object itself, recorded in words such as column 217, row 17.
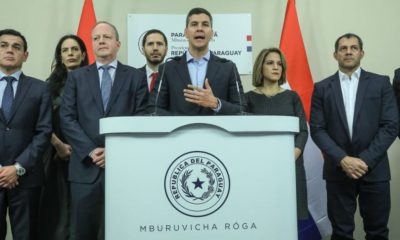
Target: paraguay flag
column 86, row 23
column 300, row 80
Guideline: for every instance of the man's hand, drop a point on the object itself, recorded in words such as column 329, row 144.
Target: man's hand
column 8, row 177
column 63, row 150
column 354, row 168
column 98, row 157
column 297, row 153
column 200, row 96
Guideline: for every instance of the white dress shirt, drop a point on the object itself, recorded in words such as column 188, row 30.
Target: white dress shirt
column 349, row 87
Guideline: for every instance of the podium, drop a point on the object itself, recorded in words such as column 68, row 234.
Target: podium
column 203, row 177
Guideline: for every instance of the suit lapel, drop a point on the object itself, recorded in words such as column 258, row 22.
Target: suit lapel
column 183, row 71
column 94, row 85
column 119, row 80
column 23, row 86
column 361, row 90
column 337, row 91
column 212, row 68
column 2, row 118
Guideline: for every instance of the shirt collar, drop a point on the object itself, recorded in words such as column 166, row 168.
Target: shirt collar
column 356, row 74
column 16, row 75
column 149, row 71
column 113, row 64
column 190, row 58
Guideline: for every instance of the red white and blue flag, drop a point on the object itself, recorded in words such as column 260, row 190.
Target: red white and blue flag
column 300, row 80
column 86, row 23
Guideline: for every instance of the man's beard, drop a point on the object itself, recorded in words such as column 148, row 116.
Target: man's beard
column 155, row 61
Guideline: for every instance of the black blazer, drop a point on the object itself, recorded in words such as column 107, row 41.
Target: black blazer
column 26, row 136
column 396, row 87
column 82, row 108
column 375, row 125
column 143, row 69
column 222, row 76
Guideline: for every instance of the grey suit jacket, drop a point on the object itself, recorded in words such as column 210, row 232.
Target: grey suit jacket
column 375, row 125
column 82, row 108
column 222, row 76
column 26, row 136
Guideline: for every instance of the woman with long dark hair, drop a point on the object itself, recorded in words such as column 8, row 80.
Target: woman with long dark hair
column 70, row 54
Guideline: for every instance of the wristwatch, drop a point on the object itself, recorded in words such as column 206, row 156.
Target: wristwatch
column 20, row 170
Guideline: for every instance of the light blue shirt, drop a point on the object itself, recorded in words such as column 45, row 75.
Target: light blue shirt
column 197, row 71
column 197, row 68
column 111, row 71
column 3, row 83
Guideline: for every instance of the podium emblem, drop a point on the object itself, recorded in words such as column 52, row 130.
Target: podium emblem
column 197, row 184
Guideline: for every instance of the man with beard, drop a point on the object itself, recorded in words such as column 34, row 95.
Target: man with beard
column 354, row 120
column 154, row 48
column 198, row 82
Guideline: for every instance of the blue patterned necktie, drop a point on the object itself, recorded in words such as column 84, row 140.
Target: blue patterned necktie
column 106, row 84
column 8, row 97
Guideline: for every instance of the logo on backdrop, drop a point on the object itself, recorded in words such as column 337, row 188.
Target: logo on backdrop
column 197, row 183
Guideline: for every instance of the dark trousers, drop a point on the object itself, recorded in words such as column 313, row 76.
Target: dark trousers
column 55, row 200
column 374, row 203
column 22, row 205
column 87, row 210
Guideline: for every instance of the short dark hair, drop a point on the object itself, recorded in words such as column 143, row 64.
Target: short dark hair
column 15, row 33
column 348, row 35
column 196, row 11
column 258, row 78
column 151, row 31
column 109, row 24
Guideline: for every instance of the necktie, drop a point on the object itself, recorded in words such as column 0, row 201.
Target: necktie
column 106, row 84
column 153, row 80
column 8, row 96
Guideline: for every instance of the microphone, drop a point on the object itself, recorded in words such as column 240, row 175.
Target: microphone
column 235, row 71
column 176, row 58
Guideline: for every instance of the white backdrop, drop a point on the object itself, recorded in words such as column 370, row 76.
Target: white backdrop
column 232, row 37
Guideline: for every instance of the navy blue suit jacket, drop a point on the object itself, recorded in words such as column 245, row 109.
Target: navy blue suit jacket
column 82, row 108
column 396, row 87
column 375, row 125
column 143, row 69
column 222, row 76
column 26, row 136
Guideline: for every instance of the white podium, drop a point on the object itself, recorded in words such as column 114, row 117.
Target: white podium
column 212, row 177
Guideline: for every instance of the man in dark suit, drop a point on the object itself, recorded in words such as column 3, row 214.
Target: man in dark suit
column 154, row 48
column 106, row 88
column 198, row 82
column 25, row 130
column 354, row 120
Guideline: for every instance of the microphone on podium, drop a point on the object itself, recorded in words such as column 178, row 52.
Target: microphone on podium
column 176, row 58
column 241, row 111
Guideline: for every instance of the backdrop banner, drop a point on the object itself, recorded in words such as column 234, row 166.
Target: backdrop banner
column 232, row 37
